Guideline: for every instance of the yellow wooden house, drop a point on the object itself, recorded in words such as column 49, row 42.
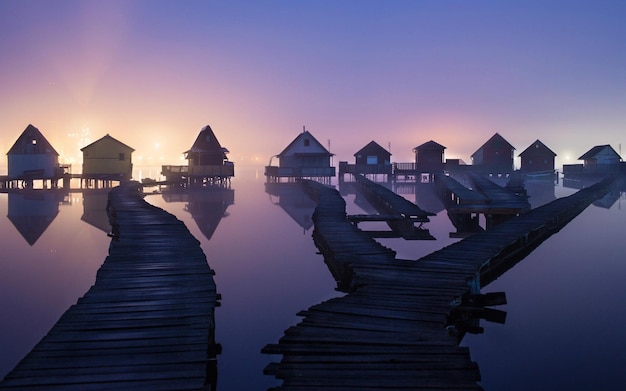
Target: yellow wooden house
column 107, row 159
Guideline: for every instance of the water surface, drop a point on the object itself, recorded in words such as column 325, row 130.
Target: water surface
column 564, row 326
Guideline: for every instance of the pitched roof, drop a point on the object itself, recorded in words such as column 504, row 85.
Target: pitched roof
column 495, row 139
column 590, row 154
column 29, row 137
column 304, row 136
column 206, row 142
column 429, row 145
column 537, row 144
column 372, row 146
column 107, row 137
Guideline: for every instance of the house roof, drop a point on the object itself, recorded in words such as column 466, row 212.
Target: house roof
column 495, row 139
column 31, row 135
column 372, row 146
column 107, row 137
column 429, row 145
column 537, row 144
column 206, row 142
column 318, row 149
column 593, row 152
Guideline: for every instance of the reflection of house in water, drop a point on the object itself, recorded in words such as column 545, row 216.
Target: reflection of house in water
column 428, row 197
column 540, row 192
column 294, row 200
column 32, row 212
column 207, row 205
column 94, row 209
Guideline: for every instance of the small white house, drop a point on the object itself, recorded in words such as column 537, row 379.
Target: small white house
column 32, row 156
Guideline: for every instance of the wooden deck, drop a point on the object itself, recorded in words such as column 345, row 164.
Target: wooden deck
column 390, row 203
column 146, row 324
column 400, row 324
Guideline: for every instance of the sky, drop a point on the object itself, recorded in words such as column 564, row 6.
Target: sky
column 153, row 73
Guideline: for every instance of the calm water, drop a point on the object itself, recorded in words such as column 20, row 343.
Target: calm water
column 564, row 327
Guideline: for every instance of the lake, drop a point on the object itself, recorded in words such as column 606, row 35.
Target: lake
column 564, row 327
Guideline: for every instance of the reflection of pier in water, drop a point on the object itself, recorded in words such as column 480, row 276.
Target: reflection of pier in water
column 400, row 324
column 146, row 323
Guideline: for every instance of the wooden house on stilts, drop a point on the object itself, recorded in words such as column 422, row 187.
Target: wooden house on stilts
column 105, row 161
column 371, row 160
column 32, row 158
column 207, row 163
column 495, row 156
column 537, row 159
column 304, row 157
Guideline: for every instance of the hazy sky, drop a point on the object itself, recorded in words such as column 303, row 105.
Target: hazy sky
column 152, row 73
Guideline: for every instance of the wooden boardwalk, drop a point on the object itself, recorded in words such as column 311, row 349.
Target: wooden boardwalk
column 390, row 203
column 400, row 324
column 146, row 324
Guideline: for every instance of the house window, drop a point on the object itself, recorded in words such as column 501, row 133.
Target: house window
column 372, row 160
column 307, row 142
column 121, row 156
column 34, row 142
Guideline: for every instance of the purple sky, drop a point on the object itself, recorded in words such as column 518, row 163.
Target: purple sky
column 153, row 73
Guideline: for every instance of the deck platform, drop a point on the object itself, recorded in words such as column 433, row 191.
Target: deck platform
column 148, row 321
column 400, row 324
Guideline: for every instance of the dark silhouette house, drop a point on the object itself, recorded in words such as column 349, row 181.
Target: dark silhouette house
column 495, row 155
column 206, row 150
column 32, row 156
column 371, row 159
column 304, row 157
column 429, row 157
column 373, row 154
column 206, row 162
column 537, row 158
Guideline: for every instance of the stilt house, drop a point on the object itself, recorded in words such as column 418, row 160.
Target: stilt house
column 371, row 159
column 494, row 156
column 33, row 157
column 429, row 157
column 207, row 162
column 107, row 158
column 304, row 157
column 537, row 158
column 600, row 159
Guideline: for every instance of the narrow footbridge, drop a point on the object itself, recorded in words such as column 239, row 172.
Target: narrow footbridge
column 400, row 214
column 401, row 321
column 148, row 321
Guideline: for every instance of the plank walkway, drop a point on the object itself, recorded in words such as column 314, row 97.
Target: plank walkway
column 146, row 324
column 391, row 203
column 400, row 324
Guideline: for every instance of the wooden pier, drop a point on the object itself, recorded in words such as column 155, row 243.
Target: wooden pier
column 400, row 214
column 400, row 324
column 496, row 203
column 148, row 321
